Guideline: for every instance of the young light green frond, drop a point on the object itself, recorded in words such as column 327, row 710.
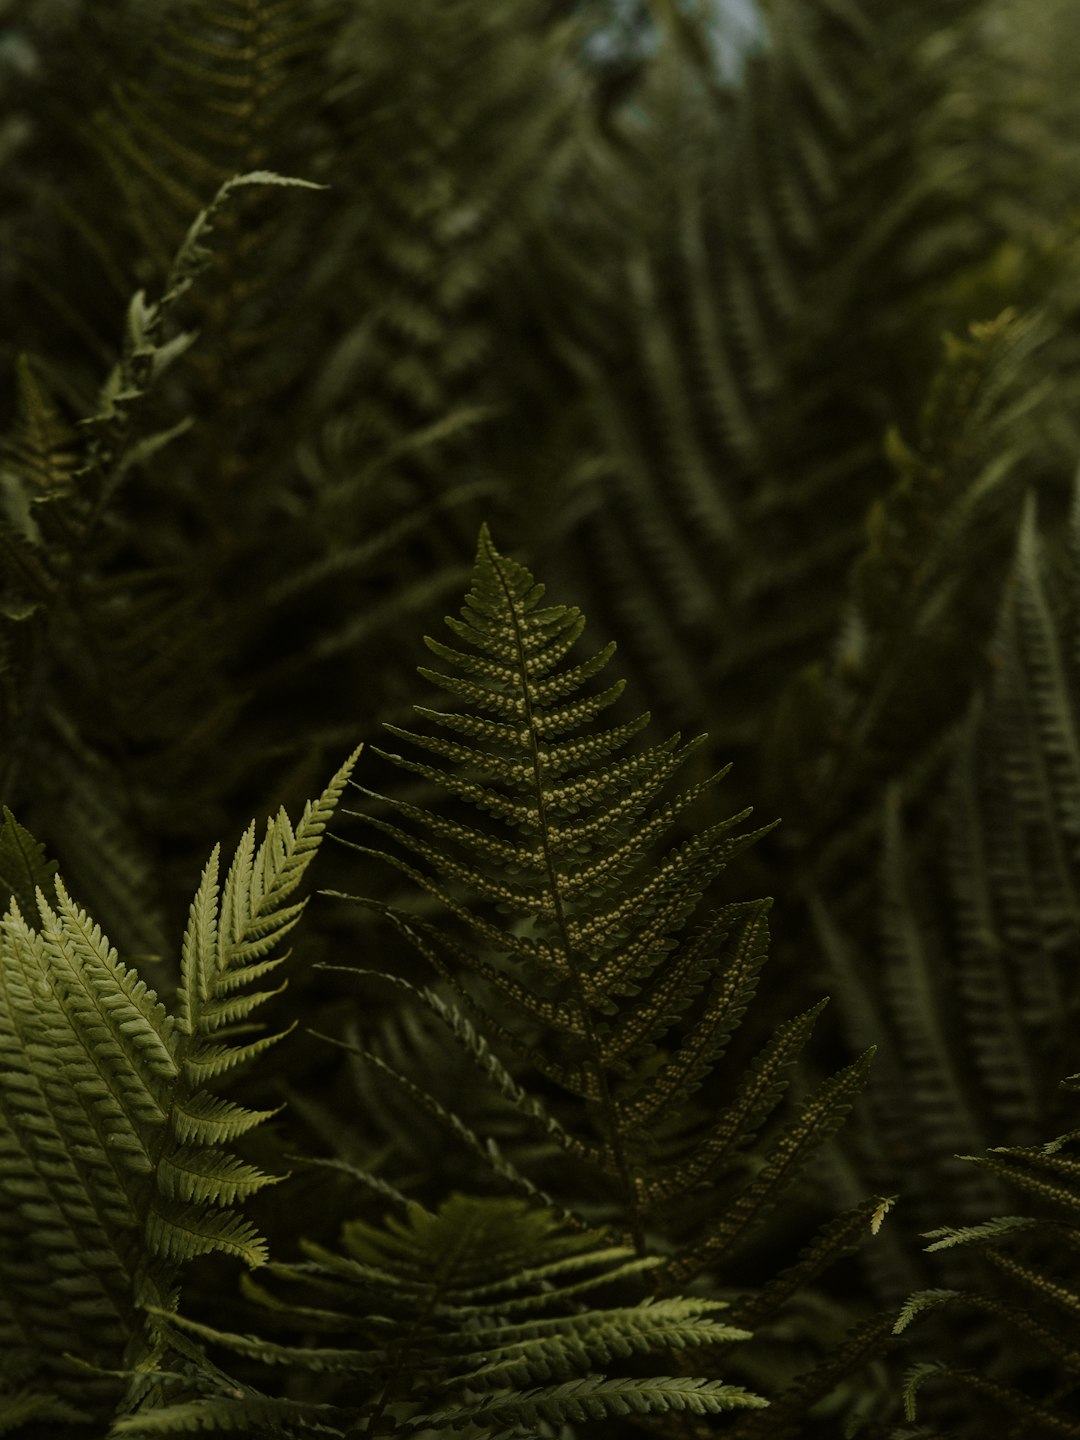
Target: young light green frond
column 241, row 1413
column 212, row 1060
column 232, row 929
column 532, row 1289
column 199, row 958
column 320, row 1359
column 561, row 1347
column 85, row 957
column 68, row 1219
column 112, row 1156
column 185, row 1232
column 638, row 1318
column 198, row 1175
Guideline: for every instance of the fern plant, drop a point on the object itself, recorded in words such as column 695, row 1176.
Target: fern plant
column 117, row 1159
column 583, row 976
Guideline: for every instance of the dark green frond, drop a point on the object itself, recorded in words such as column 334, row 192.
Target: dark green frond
column 583, row 960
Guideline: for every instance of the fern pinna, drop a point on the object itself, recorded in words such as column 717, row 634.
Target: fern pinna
column 586, row 978
column 113, row 1141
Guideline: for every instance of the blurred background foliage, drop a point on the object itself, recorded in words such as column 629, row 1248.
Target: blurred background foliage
column 752, row 329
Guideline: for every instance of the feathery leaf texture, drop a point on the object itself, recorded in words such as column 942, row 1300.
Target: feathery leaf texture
column 1029, row 1280
column 486, row 1313
column 1015, row 881
column 113, row 1166
column 601, row 969
column 979, row 916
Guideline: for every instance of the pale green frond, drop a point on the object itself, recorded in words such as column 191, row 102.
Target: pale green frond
column 472, row 1304
column 198, row 971
column 112, row 1161
column 212, row 1060
column 594, row 1398
column 232, row 929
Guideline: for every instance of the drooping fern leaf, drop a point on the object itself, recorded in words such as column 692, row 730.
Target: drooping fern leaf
column 115, row 1145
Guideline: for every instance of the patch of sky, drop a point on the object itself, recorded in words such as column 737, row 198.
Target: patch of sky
column 626, row 32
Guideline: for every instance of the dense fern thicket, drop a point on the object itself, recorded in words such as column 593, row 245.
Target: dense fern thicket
column 754, row 332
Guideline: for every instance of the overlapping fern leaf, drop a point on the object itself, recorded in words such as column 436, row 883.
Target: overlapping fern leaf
column 486, row 1314
column 974, row 994
column 1023, row 1303
column 580, row 969
column 1014, row 1279
column 118, row 1166
column 924, row 591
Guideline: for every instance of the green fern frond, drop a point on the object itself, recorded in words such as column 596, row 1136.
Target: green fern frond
column 486, row 1313
column 948, row 1235
column 149, row 349
column 1029, row 1285
column 596, row 1399
column 113, row 1171
column 636, row 1014
column 578, row 961
column 924, row 588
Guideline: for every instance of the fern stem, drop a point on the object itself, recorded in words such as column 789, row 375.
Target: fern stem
column 613, row 1135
